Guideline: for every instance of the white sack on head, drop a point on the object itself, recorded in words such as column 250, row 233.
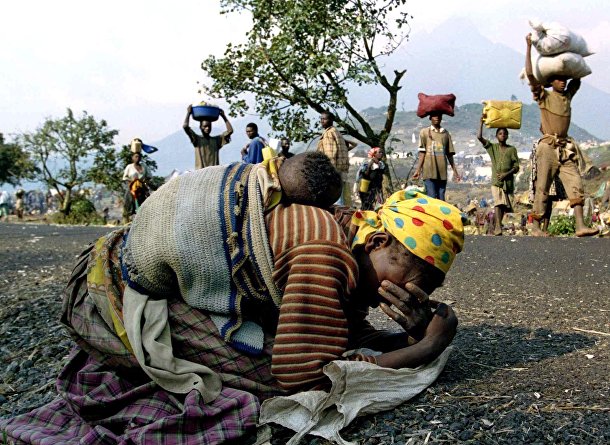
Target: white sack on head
column 552, row 38
column 566, row 64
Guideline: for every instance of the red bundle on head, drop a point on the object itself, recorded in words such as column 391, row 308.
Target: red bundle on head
column 440, row 103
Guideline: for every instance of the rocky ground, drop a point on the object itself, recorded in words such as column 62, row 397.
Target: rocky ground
column 531, row 364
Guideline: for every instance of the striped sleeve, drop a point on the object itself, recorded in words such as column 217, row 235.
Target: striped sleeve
column 315, row 270
column 312, row 328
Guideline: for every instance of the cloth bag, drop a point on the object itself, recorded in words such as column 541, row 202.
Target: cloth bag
column 440, row 103
column 552, row 38
column 502, row 114
column 571, row 65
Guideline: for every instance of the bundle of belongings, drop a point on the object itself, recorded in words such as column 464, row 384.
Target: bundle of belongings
column 502, row 114
column 440, row 103
column 137, row 146
column 561, row 52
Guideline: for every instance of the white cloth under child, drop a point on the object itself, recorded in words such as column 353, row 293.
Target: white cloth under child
column 358, row 388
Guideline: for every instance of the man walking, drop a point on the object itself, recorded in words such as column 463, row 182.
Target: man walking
column 206, row 145
column 334, row 146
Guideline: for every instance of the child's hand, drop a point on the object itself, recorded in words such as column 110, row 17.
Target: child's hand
column 528, row 39
column 411, row 307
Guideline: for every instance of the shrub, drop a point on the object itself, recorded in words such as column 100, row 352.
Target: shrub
column 562, row 225
column 82, row 212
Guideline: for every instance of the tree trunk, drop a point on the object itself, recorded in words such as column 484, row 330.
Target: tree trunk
column 66, row 201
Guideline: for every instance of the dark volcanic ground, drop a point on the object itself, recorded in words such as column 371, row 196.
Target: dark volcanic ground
column 531, row 365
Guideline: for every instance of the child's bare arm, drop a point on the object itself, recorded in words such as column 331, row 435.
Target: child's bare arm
column 480, row 137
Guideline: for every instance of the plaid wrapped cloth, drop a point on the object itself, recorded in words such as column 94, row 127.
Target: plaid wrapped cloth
column 105, row 398
column 333, row 145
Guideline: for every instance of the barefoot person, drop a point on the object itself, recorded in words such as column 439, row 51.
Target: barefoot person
column 210, row 303
column 556, row 151
column 504, row 166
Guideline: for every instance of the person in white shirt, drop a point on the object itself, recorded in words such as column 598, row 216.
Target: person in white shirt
column 135, row 176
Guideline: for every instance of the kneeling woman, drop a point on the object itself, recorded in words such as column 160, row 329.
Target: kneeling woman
column 210, row 303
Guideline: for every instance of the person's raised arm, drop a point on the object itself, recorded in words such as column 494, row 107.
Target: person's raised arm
column 227, row 123
column 480, row 137
column 573, row 87
column 186, row 125
column 535, row 86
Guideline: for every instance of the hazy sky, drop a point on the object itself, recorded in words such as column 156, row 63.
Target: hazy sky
column 120, row 59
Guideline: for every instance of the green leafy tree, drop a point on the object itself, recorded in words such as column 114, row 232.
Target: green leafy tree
column 15, row 163
column 64, row 150
column 109, row 165
column 303, row 56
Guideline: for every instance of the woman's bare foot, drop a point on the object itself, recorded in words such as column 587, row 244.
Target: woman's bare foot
column 586, row 231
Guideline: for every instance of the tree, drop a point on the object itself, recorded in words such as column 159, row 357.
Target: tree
column 15, row 163
column 108, row 168
column 303, row 56
column 65, row 149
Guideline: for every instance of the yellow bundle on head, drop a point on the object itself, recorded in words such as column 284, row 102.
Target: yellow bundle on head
column 502, row 114
column 429, row 228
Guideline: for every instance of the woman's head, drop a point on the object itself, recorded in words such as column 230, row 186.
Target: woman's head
column 384, row 257
column 376, row 153
column 408, row 232
column 136, row 158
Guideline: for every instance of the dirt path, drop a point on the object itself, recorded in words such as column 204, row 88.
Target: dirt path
column 531, row 363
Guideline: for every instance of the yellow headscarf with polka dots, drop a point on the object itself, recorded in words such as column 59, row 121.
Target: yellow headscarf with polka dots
column 430, row 228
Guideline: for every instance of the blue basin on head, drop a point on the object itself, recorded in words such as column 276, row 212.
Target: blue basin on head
column 206, row 113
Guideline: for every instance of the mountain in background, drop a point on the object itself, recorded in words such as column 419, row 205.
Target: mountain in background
column 456, row 58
